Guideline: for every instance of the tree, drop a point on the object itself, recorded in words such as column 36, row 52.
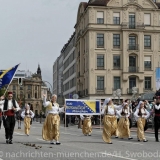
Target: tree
column 2, row 91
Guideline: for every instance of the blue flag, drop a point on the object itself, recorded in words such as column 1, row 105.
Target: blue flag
column 7, row 75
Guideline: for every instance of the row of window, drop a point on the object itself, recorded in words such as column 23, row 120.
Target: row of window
column 69, row 72
column 22, row 96
column 117, row 83
column 133, row 42
column 29, row 87
column 116, row 18
column 69, row 60
column 117, row 62
column 70, row 84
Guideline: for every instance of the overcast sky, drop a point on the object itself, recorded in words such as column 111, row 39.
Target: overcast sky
column 34, row 31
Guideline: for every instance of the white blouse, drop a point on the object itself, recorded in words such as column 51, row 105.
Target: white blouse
column 111, row 109
column 143, row 111
column 55, row 108
column 125, row 111
column 28, row 111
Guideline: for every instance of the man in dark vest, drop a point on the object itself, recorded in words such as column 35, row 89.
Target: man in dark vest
column 157, row 117
column 10, row 106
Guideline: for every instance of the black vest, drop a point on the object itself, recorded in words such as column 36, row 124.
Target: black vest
column 156, row 111
column 6, row 104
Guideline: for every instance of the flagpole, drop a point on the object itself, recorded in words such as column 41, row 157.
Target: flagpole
column 11, row 80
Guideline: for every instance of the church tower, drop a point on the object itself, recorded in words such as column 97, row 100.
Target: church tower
column 39, row 70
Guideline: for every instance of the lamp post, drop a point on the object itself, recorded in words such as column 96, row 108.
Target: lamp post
column 50, row 86
column 114, row 95
column 134, row 92
column 118, row 92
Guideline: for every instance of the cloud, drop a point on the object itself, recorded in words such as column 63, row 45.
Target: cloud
column 35, row 31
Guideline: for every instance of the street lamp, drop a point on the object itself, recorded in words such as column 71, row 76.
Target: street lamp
column 118, row 92
column 50, row 86
column 134, row 92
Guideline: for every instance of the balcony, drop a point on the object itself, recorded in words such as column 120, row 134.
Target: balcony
column 100, row 67
column 148, row 68
column 100, row 91
column 116, row 67
column 129, row 91
column 132, row 47
column 127, row 25
column 147, row 89
column 133, row 69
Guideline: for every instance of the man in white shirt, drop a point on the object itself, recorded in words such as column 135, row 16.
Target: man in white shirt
column 10, row 106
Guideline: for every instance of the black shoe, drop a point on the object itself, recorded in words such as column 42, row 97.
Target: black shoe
column 145, row 140
column 116, row 136
column 89, row 135
column 157, row 140
column 7, row 141
column 10, row 142
column 110, row 143
column 58, row 143
column 130, row 138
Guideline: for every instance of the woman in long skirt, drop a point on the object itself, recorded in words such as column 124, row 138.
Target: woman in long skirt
column 141, row 115
column 124, row 123
column 87, row 125
column 50, row 131
column 27, row 114
column 109, row 120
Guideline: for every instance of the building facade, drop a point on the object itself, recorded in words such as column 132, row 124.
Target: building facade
column 117, row 47
column 69, row 72
column 29, row 89
column 55, row 79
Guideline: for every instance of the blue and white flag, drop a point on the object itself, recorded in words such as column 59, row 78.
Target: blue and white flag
column 157, row 78
column 6, row 76
column 82, row 107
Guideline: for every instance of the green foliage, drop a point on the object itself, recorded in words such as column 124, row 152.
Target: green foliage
column 2, row 91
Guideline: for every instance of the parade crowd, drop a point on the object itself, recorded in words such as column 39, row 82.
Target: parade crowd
column 117, row 119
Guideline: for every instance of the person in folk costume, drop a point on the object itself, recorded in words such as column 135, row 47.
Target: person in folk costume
column 51, row 125
column 156, row 111
column 87, row 125
column 10, row 106
column 141, row 115
column 109, row 120
column 124, row 123
column 27, row 114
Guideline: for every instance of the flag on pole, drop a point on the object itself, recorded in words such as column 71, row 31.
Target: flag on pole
column 157, row 78
column 6, row 76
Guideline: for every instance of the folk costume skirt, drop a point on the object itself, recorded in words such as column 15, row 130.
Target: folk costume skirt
column 87, row 126
column 140, row 128
column 50, row 129
column 123, row 128
column 27, row 125
column 109, row 127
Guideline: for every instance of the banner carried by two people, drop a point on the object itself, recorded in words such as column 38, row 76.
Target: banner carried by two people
column 82, row 107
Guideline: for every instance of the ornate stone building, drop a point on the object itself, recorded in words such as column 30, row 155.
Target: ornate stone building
column 117, row 47
column 29, row 89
